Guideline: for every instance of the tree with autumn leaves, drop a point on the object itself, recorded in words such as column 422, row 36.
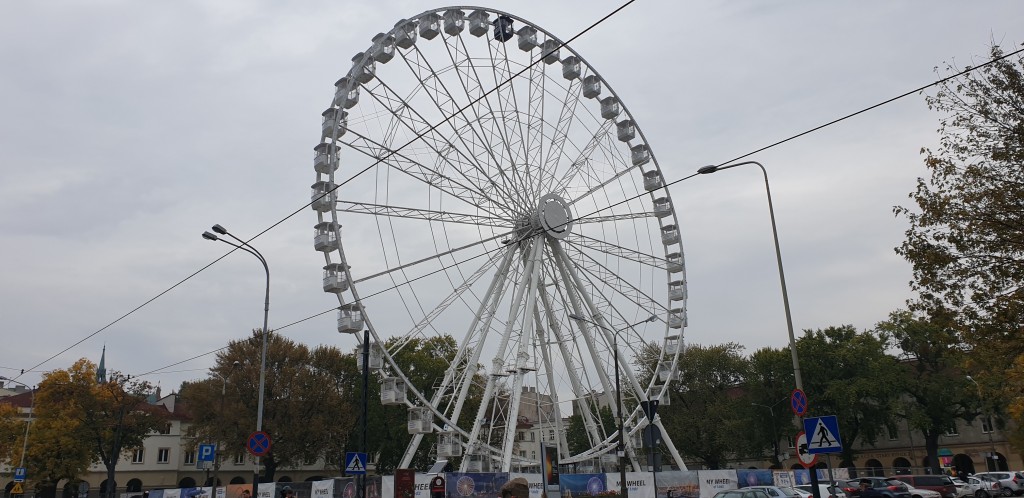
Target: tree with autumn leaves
column 78, row 420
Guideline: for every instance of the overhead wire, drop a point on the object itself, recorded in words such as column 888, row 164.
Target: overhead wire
column 461, row 110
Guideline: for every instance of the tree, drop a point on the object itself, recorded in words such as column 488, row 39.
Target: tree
column 937, row 393
column 711, row 382
column 966, row 236
column 848, row 374
column 57, row 447
column 768, row 386
column 307, row 408
column 96, row 421
column 576, row 433
column 12, row 431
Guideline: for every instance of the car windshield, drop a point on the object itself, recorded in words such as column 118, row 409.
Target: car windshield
column 789, row 491
column 896, row 482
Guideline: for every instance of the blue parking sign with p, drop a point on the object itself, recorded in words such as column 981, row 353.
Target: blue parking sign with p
column 20, row 474
column 207, row 452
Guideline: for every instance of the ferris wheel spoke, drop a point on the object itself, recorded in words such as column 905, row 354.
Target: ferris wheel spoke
column 421, row 214
column 581, row 163
column 448, row 106
column 431, row 258
column 602, row 275
column 535, row 124
column 405, row 115
column 506, row 120
column 566, row 117
column 469, row 80
column 420, row 172
column 583, row 241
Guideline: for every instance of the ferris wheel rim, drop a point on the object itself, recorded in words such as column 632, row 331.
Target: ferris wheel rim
column 335, row 218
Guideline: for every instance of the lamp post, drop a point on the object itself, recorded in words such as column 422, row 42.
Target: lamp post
column 31, row 408
column 778, row 257
column 990, row 462
column 775, row 433
column 243, row 245
column 216, row 453
column 620, row 449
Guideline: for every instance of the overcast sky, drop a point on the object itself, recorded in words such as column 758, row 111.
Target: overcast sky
column 128, row 128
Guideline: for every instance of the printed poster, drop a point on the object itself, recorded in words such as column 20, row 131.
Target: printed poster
column 582, row 485
column 474, row 484
column 681, row 483
column 536, row 484
column 322, row 489
column 713, row 481
column 783, row 478
column 754, row 477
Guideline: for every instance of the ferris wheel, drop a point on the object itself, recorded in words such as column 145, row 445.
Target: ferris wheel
column 476, row 178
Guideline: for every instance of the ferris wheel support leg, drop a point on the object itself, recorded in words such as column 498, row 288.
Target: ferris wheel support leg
column 578, row 391
column 497, row 363
column 524, row 341
column 577, row 283
column 553, row 326
column 490, row 303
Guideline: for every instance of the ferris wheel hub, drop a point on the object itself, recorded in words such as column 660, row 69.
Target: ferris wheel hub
column 553, row 216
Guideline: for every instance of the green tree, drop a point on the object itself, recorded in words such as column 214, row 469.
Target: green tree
column 578, row 437
column 768, row 387
column 848, row 374
column 937, row 393
column 12, row 431
column 711, row 383
column 966, row 234
column 305, row 409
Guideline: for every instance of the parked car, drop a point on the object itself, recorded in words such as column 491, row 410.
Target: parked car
column 741, row 493
column 924, row 493
column 1010, row 482
column 939, row 483
column 780, row 491
column 825, row 491
column 979, row 487
column 888, row 488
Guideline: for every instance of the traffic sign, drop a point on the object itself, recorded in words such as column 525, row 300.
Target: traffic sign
column 355, row 463
column 19, row 474
column 650, row 408
column 807, row 459
column 18, row 489
column 258, row 443
column 798, row 402
column 823, row 434
column 206, row 452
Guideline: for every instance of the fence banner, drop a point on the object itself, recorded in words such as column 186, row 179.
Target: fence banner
column 783, row 478
column 754, row 477
column 713, row 481
column 266, row 490
column 322, row 489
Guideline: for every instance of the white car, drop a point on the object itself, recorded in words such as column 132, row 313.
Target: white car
column 825, row 490
column 977, row 487
column 922, row 493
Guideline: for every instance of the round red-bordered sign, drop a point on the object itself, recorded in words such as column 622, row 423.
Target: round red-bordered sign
column 807, row 459
column 798, row 402
column 258, row 443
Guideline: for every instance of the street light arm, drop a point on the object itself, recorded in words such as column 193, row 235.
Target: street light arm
column 778, row 258
column 28, row 423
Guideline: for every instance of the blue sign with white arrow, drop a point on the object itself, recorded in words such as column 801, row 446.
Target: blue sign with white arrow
column 823, row 434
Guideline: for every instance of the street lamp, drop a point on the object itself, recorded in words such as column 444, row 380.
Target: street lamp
column 778, row 256
column 775, row 433
column 263, row 358
column 620, row 449
column 223, row 394
column 31, row 408
column 990, row 462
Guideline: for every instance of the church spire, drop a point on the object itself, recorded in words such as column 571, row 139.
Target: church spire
column 101, row 370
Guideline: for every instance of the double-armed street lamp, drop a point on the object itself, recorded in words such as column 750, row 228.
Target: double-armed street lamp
column 778, row 257
column 775, row 434
column 31, row 408
column 243, row 245
column 990, row 462
column 620, row 449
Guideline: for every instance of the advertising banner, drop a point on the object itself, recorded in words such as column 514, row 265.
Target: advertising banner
column 713, row 481
column 754, row 477
column 582, row 485
column 475, row 484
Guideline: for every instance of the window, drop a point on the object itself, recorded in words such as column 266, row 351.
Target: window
column 533, row 436
column 894, row 433
column 239, row 458
column 190, row 457
column 137, row 455
column 952, row 430
column 986, row 425
column 551, row 435
column 166, row 429
column 163, row 455
column 790, row 443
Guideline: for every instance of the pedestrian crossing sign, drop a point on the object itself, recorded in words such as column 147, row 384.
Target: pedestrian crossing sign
column 355, row 463
column 823, row 434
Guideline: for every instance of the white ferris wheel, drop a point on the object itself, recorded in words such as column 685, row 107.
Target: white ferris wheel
column 477, row 178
